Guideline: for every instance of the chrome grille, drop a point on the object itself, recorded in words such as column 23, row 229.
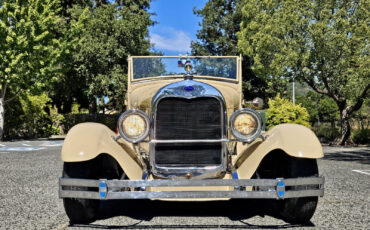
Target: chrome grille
column 188, row 119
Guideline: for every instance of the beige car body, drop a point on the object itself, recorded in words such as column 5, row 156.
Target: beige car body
column 86, row 141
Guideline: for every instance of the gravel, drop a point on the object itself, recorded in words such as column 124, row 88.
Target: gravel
column 29, row 197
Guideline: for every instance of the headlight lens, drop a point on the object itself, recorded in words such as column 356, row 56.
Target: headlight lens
column 133, row 125
column 245, row 125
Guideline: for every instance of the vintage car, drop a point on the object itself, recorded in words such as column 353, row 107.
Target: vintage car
column 186, row 135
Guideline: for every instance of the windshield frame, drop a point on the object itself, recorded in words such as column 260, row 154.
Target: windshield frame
column 236, row 80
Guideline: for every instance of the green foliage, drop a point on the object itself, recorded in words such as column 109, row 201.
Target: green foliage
column 29, row 51
column 323, row 43
column 74, row 51
column 310, row 102
column 34, row 117
column 282, row 111
column 220, row 23
column 66, row 86
column 218, row 36
column 57, row 121
column 301, row 89
column 28, row 117
column 107, row 35
column 71, row 120
column 75, row 108
column 327, row 134
column 361, row 136
column 292, row 38
column 13, row 112
column 328, row 110
column 320, row 108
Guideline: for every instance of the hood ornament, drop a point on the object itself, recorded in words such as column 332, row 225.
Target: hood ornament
column 188, row 67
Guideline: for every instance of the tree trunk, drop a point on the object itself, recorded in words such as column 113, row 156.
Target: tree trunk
column 2, row 109
column 345, row 128
column 92, row 106
column 2, row 113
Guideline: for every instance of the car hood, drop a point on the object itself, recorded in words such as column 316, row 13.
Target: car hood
column 140, row 95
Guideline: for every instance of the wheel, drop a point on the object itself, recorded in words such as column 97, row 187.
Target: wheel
column 80, row 211
column 299, row 210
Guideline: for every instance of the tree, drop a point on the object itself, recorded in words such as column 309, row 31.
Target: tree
column 311, row 102
column 67, row 5
column 323, row 43
column 28, row 49
column 65, row 87
column 218, row 36
column 221, row 22
column 101, row 36
column 328, row 111
column 320, row 107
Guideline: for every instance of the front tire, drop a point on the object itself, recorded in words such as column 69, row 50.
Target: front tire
column 299, row 210
column 80, row 211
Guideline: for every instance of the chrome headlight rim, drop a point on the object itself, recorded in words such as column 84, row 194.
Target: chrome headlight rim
column 250, row 137
column 129, row 113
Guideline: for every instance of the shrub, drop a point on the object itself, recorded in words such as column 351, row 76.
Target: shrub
column 27, row 117
column 71, row 120
column 282, row 111
column 361, row 136
column 327, row 134
column 32, row 116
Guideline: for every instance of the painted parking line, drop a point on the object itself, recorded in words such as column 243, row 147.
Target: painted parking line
column 28, row 147
column 367, row 172
column 52, row 144
column 21, row 149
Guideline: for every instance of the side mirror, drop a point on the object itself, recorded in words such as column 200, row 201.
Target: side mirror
column 258, row 102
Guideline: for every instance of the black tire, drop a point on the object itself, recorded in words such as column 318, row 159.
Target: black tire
column 299, row 210
column 80, row 211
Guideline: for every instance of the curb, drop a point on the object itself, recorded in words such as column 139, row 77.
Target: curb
column 56, row 137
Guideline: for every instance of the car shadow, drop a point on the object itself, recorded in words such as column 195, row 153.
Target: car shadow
column 360, row 156
column 238, row 211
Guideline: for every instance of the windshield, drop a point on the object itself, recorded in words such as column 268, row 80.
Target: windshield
column 224, row 67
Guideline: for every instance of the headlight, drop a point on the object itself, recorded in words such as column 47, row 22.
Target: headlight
column 246, row 125
column 133, row 125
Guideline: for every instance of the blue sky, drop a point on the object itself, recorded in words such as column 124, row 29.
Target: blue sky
column 177, row 25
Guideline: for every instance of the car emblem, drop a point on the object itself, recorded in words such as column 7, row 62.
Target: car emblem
column 188, row 88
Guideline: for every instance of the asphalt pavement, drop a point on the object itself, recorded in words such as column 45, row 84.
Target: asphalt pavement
column 29, row 172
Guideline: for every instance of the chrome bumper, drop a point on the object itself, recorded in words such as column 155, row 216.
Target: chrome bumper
column 135, row 189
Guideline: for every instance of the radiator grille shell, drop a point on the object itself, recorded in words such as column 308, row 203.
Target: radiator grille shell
column 188, row 119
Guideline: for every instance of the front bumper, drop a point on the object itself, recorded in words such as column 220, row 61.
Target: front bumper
column 278, row 188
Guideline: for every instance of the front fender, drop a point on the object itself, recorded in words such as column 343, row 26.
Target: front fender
column 86, row 141
column 295, row 140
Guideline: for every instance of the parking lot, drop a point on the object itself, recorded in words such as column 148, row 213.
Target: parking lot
column 29, row 172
